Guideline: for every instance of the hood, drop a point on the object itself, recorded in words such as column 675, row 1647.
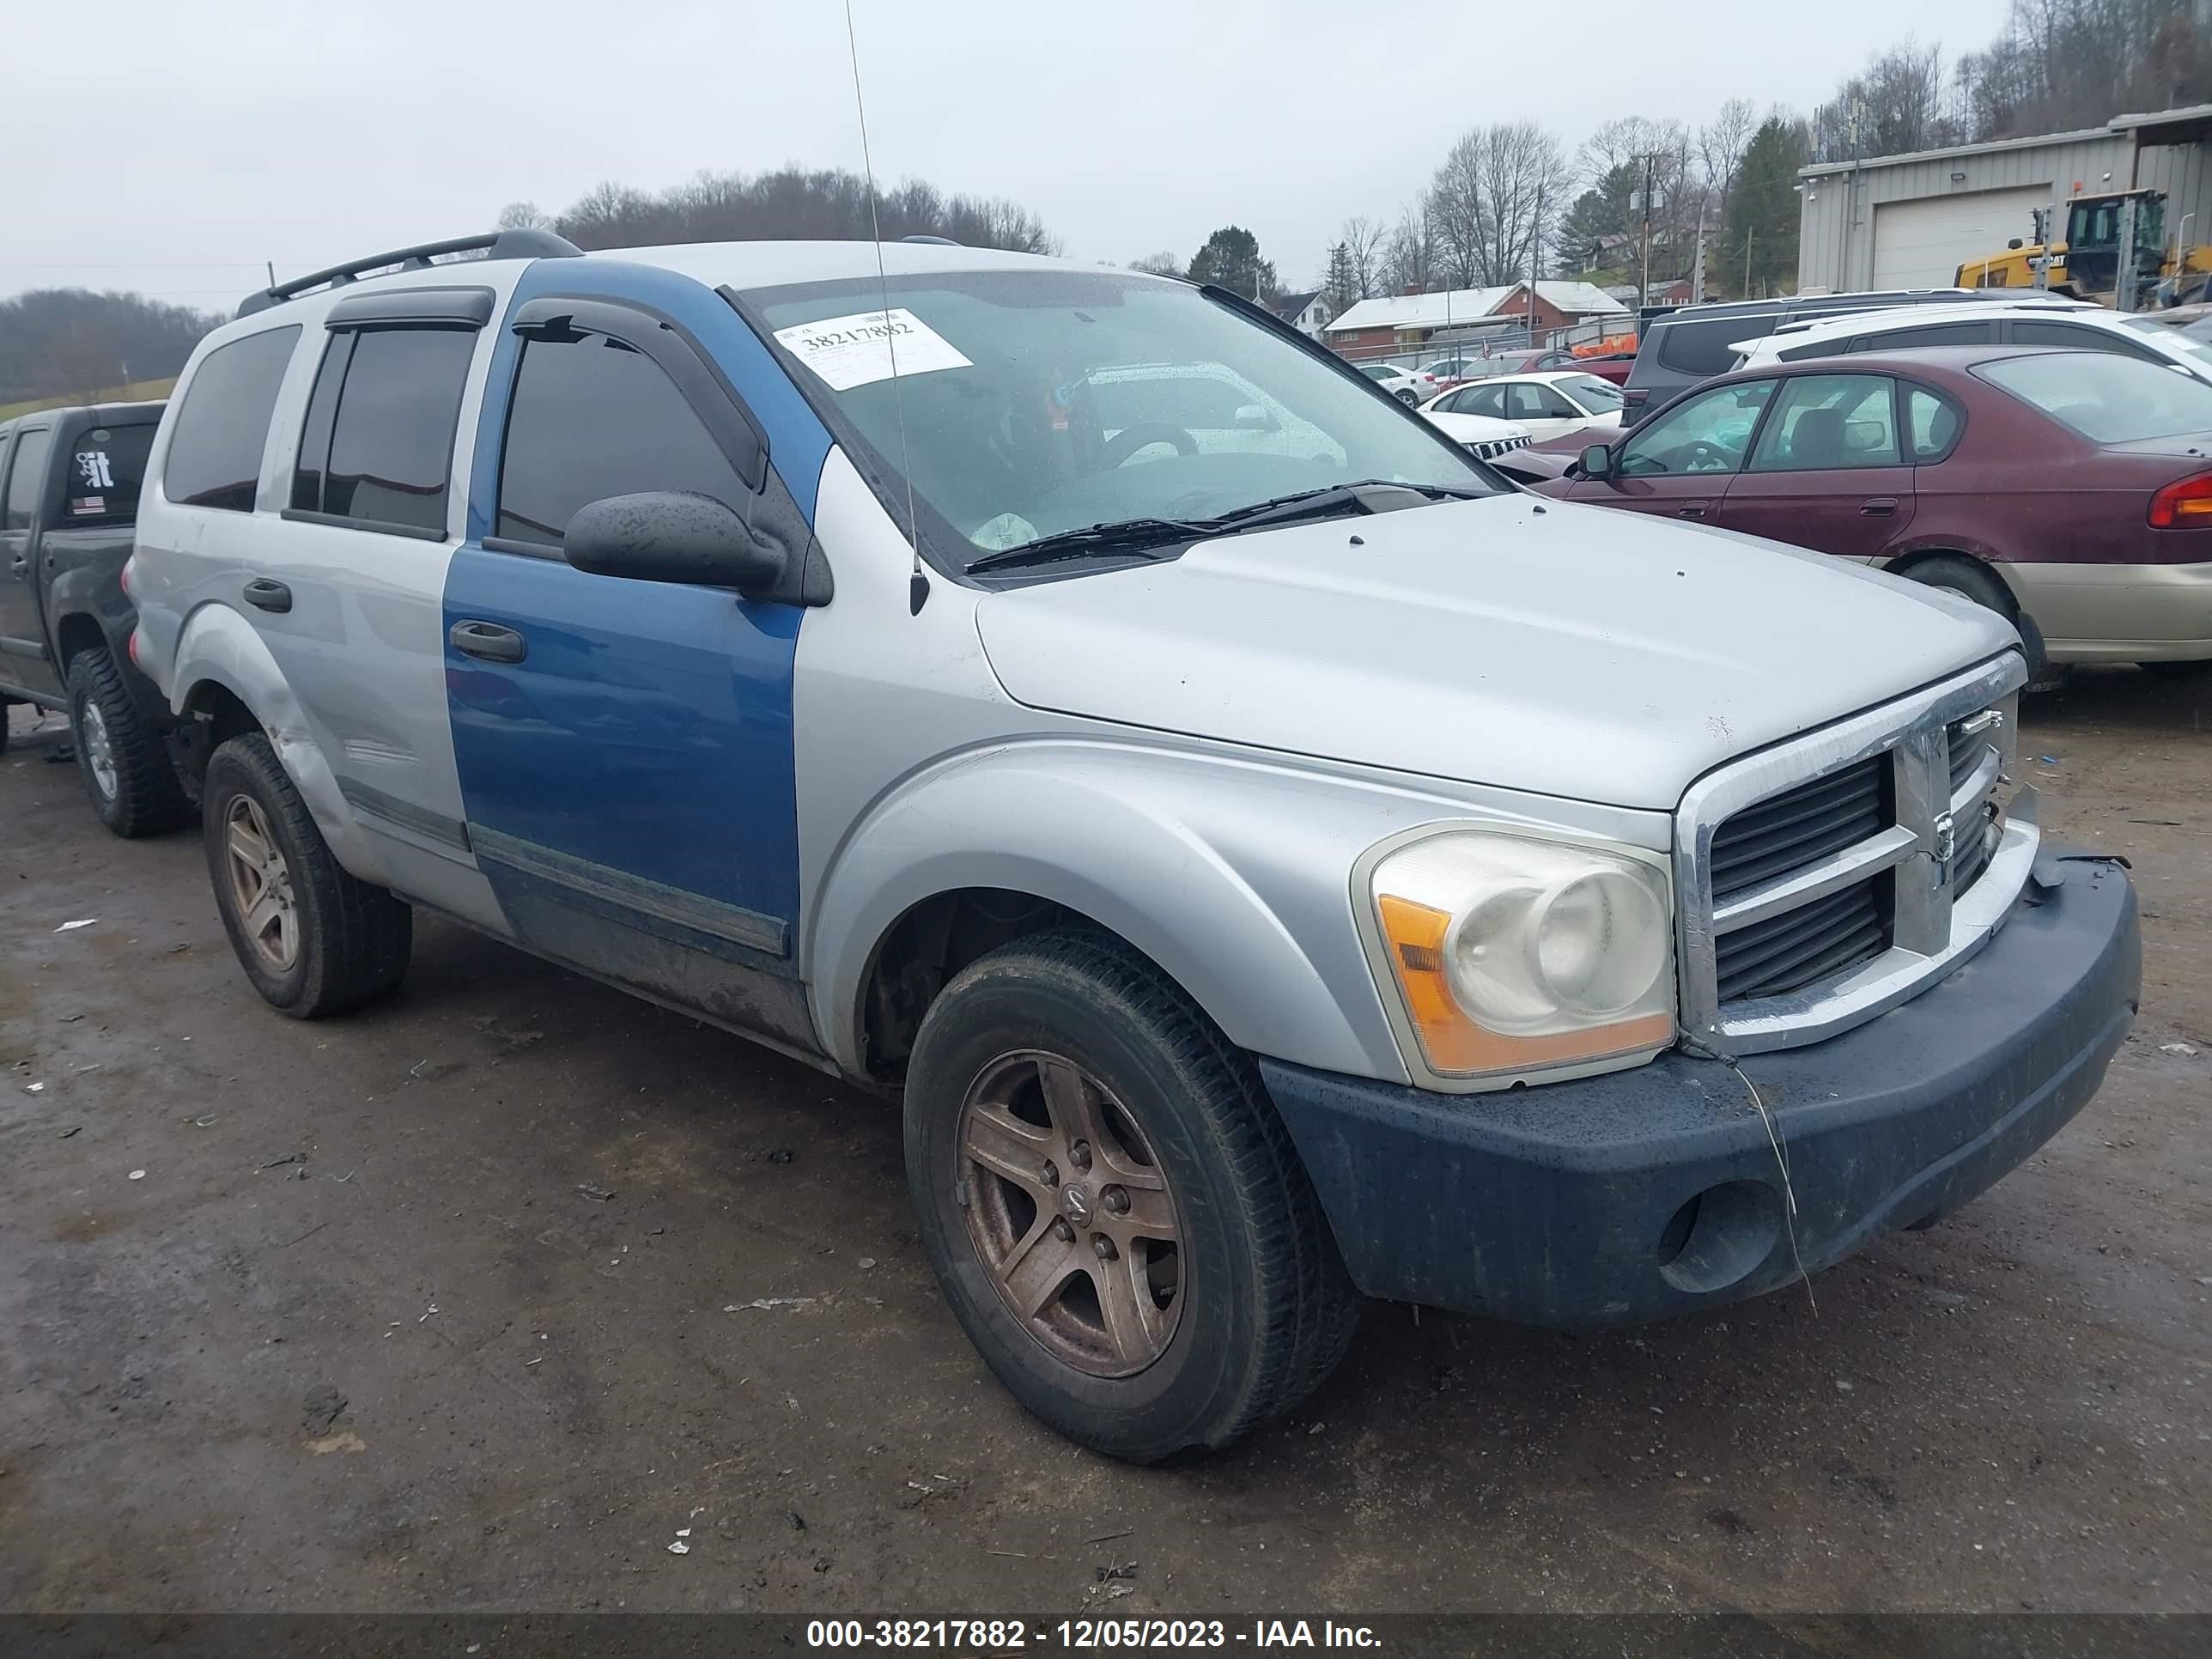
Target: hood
column 1530, row 645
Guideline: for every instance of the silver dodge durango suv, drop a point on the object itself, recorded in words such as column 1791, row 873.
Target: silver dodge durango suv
column 1273, row 860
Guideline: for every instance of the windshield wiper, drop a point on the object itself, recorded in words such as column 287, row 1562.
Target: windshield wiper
column 1135, row 534
column 1122, row 535
column 1331, row 498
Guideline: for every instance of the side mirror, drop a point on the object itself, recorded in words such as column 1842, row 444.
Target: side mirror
column 1596, row 462
column 671, row 536
column 1255, row 417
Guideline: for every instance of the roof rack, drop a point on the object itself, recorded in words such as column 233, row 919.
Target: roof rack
column 495, row 245
column 934, row 241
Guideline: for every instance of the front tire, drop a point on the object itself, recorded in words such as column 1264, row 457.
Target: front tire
column 124, row 762
column 1115, row 1213
column 314, row 939
column 1411, row 399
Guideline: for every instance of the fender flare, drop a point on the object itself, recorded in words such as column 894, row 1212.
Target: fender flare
column 1237, row 888
column 219, row 647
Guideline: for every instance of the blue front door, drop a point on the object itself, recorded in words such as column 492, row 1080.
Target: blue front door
column 625, row 747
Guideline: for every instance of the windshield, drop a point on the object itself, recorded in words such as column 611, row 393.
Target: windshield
column 2107, row 399
column 1038, row 402
column 2190, row 340
column 1593, row 393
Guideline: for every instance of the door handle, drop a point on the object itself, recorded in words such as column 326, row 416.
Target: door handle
column 1879, row 507
column 489, row 641
column 1692, row 509
column 18, row 565
column 265, row 595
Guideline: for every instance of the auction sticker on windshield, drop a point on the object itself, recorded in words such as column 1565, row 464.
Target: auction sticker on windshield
column 850, row 351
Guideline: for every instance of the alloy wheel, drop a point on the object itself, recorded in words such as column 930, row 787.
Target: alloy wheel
column 261, row 884
column 1071, row 1213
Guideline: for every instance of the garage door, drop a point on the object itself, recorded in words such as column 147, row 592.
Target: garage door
column 1922, row 244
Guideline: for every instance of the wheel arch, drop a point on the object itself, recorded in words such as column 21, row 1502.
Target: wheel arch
column 224, row 682
column 1199, row 874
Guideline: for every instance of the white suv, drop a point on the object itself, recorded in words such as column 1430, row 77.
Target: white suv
column 2041, row 323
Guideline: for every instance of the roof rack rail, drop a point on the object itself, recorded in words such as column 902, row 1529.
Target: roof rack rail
column 935, row 241
column 495, row 245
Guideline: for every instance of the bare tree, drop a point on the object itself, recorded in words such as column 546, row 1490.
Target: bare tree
column 1409, row 257
column 523, row 216
column 1495, row 200
column 1720, row 144
column 1162, row 263
column 1898, row 103
column 1362, row 241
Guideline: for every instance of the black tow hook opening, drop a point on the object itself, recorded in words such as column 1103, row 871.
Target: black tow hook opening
column 1720, row 1237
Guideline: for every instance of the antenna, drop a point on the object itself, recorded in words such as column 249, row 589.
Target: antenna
column 918, row 584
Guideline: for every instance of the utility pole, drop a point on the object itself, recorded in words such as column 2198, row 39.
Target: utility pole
column 1643, row 279
column 1748, row 234
column 1698, row 266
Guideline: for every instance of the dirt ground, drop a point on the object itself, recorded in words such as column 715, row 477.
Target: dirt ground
column 343, row 1316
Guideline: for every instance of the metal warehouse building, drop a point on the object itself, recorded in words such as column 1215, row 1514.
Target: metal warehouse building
column 1911, row 221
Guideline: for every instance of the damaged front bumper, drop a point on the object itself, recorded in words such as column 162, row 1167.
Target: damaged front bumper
column 1641, row 1194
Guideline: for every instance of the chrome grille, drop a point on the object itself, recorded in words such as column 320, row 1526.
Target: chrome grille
column 1801, row 947
column 1490, row 448
column 1827, row 880
column 1796, row 827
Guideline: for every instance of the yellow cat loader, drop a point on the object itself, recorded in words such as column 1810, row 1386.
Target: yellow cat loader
column 2086, row 265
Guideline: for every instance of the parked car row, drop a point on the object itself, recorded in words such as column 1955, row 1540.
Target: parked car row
column 2039, row 455
column 1273, row 860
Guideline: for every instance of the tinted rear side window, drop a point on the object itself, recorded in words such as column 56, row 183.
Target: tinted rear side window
column 107, row 466
column 386, row 408
column 2031, row 331
column 24, row 478
column 1928, row 334
column 215, row 450
column 591, row 418
column 1703, row 349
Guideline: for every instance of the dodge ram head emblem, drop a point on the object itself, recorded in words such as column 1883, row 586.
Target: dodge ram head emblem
column 1946, row 843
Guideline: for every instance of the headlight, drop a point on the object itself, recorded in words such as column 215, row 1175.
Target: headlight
column 1511, row 954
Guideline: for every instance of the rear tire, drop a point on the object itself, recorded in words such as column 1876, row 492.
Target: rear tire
column 1976, row 581
column 1410, row 398
column 1249, row 1307
column 124, row 762
column 314, row 939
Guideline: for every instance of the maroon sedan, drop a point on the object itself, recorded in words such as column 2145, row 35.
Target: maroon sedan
column 2071, row 491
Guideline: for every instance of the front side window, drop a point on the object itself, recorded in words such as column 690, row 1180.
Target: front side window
column 221, row 429
column 591, row 418
column 107, row 466
column 2106, row 398
column 1480, row 400
column 25, row 475
column 1030, row 403
column 377, row 448
column 1709, row 432
column 1821, row 422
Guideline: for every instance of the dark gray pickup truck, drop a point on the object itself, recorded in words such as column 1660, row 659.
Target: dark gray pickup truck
column 68, row 504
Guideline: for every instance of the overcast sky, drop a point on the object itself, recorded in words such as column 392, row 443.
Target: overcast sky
column 173, row 147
